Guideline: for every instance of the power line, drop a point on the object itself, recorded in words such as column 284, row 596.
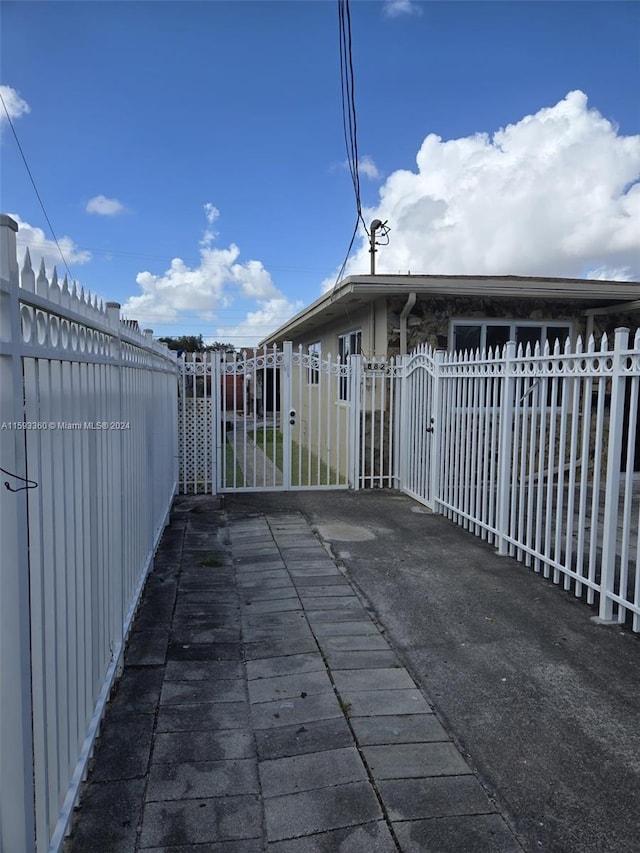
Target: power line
column 24, row 160
column 349, row 118
column 188, row 259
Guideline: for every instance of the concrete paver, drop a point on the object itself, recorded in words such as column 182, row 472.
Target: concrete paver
column 310, row 771
column 298, row 739
column 471, row 833
column 289, row 686
column 440, row 796
column 381, row 678
column 283, row 712
column 198, row 779
column 400, row 728
column 289, row 665
column 372, row 703
column 309, row 812
column 209, row 745
column 365, row 838
column 267, row 711
column 414, row 760
column 201, row 821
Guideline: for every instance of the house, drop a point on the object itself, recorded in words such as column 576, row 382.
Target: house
column 385, row 315
column 381, row 316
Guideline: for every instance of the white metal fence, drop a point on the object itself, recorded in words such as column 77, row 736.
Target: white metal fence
column 275, row 419
column 534, row 451
column 89, row 462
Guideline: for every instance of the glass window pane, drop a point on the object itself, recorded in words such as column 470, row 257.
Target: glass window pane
column 528, row 335
column 466, row 337
column 497, row 336
column 560, row 333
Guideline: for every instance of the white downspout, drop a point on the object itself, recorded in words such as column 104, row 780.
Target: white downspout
column 411, row 301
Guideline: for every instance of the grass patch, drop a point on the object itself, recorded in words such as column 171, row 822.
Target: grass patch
column 345, row 707
column 232, row 467
column 213, row 561
column 306, row 468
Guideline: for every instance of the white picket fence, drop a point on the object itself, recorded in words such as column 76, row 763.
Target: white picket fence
column 534, row 451
column 88, row 446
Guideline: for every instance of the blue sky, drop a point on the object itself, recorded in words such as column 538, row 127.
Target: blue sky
column 190, row 155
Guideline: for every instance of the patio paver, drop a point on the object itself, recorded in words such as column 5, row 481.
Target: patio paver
column 266, row 711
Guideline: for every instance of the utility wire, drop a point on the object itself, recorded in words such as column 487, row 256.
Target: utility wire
column 24, row 160
column 349, row 119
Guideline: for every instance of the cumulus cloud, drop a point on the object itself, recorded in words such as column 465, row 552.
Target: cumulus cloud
column 211, row 212
column 216, row 283
column 40, row 248
column 14, row 104
column 367, row 167
column 395, row 8
column 104, row 206
column 557, row 193
column 258, row 324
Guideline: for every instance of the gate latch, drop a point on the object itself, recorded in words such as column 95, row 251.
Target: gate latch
column 429, row 428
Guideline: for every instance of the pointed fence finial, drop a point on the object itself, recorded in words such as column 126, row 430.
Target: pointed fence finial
column 42, row 285
column 65, row 296
column 54, row 287
column 27, row 276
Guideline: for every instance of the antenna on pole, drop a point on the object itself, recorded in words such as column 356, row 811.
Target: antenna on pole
column 377, row 225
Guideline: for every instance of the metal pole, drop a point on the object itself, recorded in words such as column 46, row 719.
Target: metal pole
column 372, row 248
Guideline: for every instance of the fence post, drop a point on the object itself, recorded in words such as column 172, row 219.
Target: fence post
column 217, row 449
column 290, row 415
column 356, row 391
column 503, row 486
column 612, row 484
column 435, row 454
column 401, row 434
column 17, row 819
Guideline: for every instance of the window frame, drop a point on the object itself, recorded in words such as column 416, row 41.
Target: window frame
column 483, row 322
column 354, row 338
column 314, row 351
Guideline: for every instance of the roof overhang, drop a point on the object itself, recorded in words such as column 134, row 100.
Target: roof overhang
column 356, row 291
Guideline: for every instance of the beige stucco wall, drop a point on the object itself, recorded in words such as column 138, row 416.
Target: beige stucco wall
column 331, row 428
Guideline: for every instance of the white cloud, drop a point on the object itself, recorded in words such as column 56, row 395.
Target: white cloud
column 557, row 193
column 40, row 248
column 216, row 283
column 395, row 8
column 367, row 167
column 14, row 104
column 211, row 212
column 104, row 206
column 611, row 274
column 258, row 324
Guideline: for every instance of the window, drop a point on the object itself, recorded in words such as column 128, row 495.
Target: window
column 471, row 334
column 314, row 351
column 349, row 344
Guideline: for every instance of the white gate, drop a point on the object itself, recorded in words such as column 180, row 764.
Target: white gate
column 417, row 418
column 270, row 420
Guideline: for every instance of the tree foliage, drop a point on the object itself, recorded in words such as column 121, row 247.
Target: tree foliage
column 194, row 343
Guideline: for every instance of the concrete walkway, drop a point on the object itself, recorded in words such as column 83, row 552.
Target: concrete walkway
column 262, row 708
